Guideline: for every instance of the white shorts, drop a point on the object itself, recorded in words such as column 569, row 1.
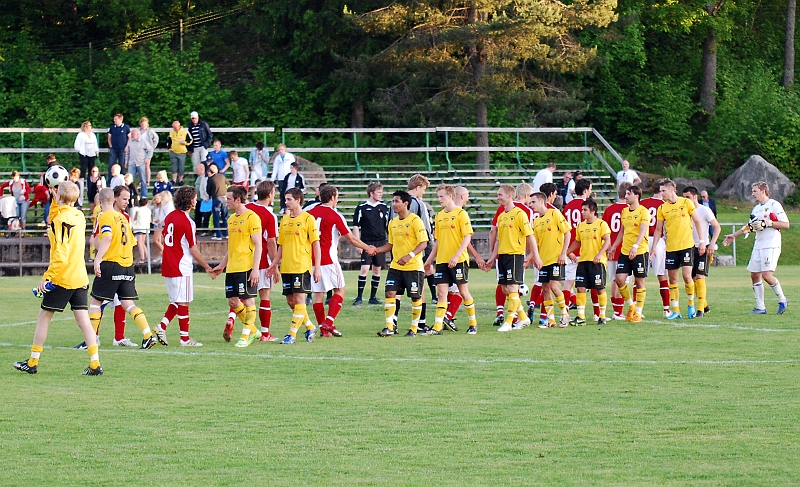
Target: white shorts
column 764, row 260
column 452, row 289
column 332, row 278
column 659, row 263
column 255, row 175
column 264, row 282
column 571, row 271
column 180, row 289
column 611, row 268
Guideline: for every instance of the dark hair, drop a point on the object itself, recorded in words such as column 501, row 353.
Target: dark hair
column 183, row 198
column 691, row 190
column 259, row 146
column 548, row 189
column 238, row 193
column 582, row 186
column 296, row 194
column 327, row 193
column 623, row 187
column 591, row 205
column 635, row 190
column 404, row 197
column 294, row 164
column 119, row 189
column 142, row 201
column 539, row 196
column 264, row 188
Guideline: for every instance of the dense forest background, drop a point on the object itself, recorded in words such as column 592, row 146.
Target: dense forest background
column 688, row 84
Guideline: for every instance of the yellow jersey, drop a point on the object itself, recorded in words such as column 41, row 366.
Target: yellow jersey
column 67, row 234
column 513, row 228
column 296, row 236
column 590, row 235
column 632, row 222
column 405, row 235
column 451, row 229
column 241, row 229
column 549, row 230
column 114, row 224
column 677, row 218
column 176, row 137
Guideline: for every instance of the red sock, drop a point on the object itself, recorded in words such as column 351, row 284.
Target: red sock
column 172, row 310
column 453, row 302
column 319, row 312
column 619, row 304
column 264, row 314
column 595, row 302
column 334, row 306
column 183, row 322
column 119, row 323
column 664, row 291
column 536, row 294
column 567, row 297
column 499, row 299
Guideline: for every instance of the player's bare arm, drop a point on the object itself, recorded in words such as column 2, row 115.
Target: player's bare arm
column 254, row 277
column 317, row 252
column 406, row 258
column 464, row 243
column 102, row 247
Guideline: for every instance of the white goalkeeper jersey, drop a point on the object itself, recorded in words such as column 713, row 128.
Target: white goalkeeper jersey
column 706, row 217
column 769, row 238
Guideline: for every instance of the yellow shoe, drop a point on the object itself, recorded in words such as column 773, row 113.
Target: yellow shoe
column 631, row 314
column 637, row 318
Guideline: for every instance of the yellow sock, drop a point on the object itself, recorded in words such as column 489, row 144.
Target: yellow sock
column 602, row 300
column 641, row 293
column 550, row 310
column 470, row 307
column 416, row 312
column 625, row 292
column 241, row 312
column 689, row 286
column 674, row 297
column 580, row 302
column 141, row 321
column 512, row 305
column 562, row 305
column 94, row 357
column 95, row 317
column 36, row 350
column 700, row 292
column 298, row 318
column 521, row 314
column 441, row 310
column 388, row 313
column 250, row 318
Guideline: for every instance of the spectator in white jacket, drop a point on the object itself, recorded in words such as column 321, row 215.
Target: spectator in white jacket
column 88, row 146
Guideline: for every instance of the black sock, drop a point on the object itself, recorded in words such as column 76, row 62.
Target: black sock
column 431, row 286
column 422, row 315
column 376, row 281
column 362, row 281
column 397, row 306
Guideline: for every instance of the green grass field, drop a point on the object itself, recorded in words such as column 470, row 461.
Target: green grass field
column 706, row 402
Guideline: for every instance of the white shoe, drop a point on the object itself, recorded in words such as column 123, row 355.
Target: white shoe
column 191, row 343
column 523, row 323
column 595, row 317
column 618, row 317
column 505, row 327
column 564, row 320
column 125, row 342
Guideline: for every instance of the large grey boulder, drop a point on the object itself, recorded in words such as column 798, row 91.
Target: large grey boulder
column 738, row 185
column 700, row 184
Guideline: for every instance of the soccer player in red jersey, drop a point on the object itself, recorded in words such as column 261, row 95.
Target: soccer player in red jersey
column 265, row 192
column 180, row 246
column 658, row 250
column 331, row 225
column 612, row 216
column 573, row 212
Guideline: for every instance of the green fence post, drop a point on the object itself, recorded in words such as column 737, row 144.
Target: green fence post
column 447, row 153
column 428, row 153
column 585, row 155
column 519, row 163
column 355, row 154
column 22, row 154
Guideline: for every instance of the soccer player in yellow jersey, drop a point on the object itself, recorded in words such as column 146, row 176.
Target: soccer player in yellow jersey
column 453, row 234
column 241, row 263
column 408, row 238
column 593, row 236
column 634, row 254
column 298, row 243
column 675, row 217
column 113, row 264
column 65, row 280
column 514, row 233
column 552, row 233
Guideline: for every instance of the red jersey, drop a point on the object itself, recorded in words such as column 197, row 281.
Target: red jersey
column 330, row 225
column 179, row 237
column 269, row 225
column 613, row 217
column 526, row 209
column 572, row 212
column 652, row 205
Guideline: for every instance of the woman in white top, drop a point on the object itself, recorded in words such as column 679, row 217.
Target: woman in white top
column 162, row 206
column 141, row 218
column 88, row 147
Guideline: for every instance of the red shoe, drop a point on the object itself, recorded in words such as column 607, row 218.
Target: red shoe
column 228, row 331
column 335, row 332
column 326, row 334
column 267, row 337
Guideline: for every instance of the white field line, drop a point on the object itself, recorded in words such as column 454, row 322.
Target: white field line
column 71, row 318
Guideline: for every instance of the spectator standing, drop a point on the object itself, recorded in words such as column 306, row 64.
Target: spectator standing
column 202, row 211
column 709, row 202
column 162, row 183
column 140, row 152
column 241, row 173
column 201, row 139
column 219, row 157
column 94, row 184
column 544, row 176
column 21, row 191
column 88, row 147
column 151, row 136
column 116, row 177
column 259, row 164
column 75, row 177
column 45, row 198
column 218, row 189
column 281, row 166
column 118, row 136
column 141, row 218
column 564, row 184
column 628, row 175
column 179, row 140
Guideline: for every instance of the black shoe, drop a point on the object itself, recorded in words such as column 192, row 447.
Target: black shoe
column 91, row 371
column 499, row 320
column 81, row 346
column 531, row 310
column 423, row 329
column 434, row 301
column 386, row 332
column 601, row 321
column 707, row 310
column 327, row 301
column 308, row 300
column 24, row 367
column 410, row 334
column 148, row 343
column 472, row 330
column 374, row 301
column 699, row 314
column 448, row 323
column 357, row 302
column 572, row 306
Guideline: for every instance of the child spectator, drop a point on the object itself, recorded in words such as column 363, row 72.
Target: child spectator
column 240, row 169
column 141, row 218
column 162, row 184
column 162, row 206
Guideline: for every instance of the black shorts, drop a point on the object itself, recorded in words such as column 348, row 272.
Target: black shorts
column 700, row 266
column 296, row 283
column 638, row 266
column 405, row 281
column 590, row 275
column 680, row 258
column 114, row 279
column 457, row 275
column 510, row 269
column 378, row 259
column 57, row 299
column 552, row 272
column 237, row 285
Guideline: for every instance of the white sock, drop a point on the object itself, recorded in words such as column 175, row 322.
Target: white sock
column 758, row 292
column 778, row 291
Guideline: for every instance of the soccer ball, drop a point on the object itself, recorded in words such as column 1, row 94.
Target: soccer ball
column 523, row 290
column 55, row 175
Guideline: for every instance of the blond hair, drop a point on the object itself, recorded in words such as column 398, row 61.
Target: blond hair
column 449, row 190
column 522, row 191
column 161, row 176
column 762, row 185
column 506, row 188
column 68, row 192
column 418, row 180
